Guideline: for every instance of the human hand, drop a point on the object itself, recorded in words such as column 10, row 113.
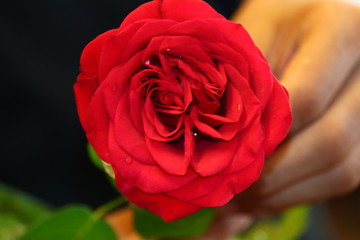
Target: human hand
column 314, row 49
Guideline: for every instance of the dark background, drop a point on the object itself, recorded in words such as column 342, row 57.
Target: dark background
column 42, row 145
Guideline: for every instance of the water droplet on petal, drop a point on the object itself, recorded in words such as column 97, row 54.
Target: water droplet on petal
column 167, row 50
column 148, row 62
column 195, row 134
column 143, row 80
column 238, row 107
column 128, row 160
column 179, row 57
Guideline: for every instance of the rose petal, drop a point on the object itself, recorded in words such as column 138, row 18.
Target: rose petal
column 89, row 61
column 168, row 208
column 169, row 157
column 145, row 34
column 114, row 48
column 97, row 126
column 232, row 184
column 234, row 107
column 199, row 187
column 212, row 157
column 154, row 129
column 115, row 90
column 128, row 137
column 103, row 106
column 148, row 178
column 149, row 10
column 252, row 105
column 261, row 79
column 214, row 120
column 276, row 118
column 199, row 29
column 226, row 55
column 189, row 144
column 186, row 46
column 87, row 81
column 217, row 190
column 240, row 40
column 185, row 10
column 171, row 9
column 250, row 146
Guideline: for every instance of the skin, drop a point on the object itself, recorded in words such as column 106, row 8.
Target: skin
column 314, row 50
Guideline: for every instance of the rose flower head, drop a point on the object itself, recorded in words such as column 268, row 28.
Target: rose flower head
column 182, row 105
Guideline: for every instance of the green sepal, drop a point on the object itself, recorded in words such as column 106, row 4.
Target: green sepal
column 94, row 157
column 103, row 166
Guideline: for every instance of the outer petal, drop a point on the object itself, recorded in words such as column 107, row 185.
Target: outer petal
column 218, row 190
column 114, row 48
column 87, row 81
column 187, row 9
column 115, row 89
column 261, row 79
column 144, row 34
column 232, row 184
column 249, row 148
column 145, row 11
column 97, row 126
column 276, row 118
column 166, row 207
column 171, row 9
column 240, row 40
column 198, row 188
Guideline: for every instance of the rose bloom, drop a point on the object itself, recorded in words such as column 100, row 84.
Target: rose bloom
column 183, row 106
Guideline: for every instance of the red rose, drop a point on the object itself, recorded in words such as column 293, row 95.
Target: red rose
column 183, row 106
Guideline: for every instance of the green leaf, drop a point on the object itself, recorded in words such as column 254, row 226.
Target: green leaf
column 20, row 205
column 71, row 223
column 150, row 225
column 10, row 227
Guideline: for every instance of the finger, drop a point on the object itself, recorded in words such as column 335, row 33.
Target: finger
column 335, row 182
column 318, row 147
column 260, row 28
column 325, row 56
